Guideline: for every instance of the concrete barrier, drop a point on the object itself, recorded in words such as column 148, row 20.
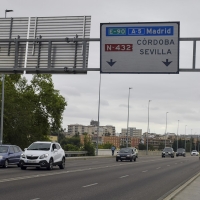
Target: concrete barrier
column 108, row 152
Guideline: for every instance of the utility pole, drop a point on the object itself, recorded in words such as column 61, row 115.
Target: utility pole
column 177, row 136
column 128, row 118
column 2, row 96
column 148, row 130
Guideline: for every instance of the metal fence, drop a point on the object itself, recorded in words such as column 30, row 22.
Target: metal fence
column 75, row 153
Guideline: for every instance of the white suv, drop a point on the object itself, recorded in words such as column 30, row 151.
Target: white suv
column 43, row 154
column 194, row 153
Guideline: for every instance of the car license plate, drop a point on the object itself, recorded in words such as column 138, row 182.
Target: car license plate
column 31, row 161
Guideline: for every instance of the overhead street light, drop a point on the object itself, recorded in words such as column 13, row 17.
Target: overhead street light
column 2, row 97
column 128, row 118
column 185, row 138
column 177, row 135
column 195, row 142
column 191, row 141
column 7, row 11
column 148, row 129
column 98, row 115
column 166, row 129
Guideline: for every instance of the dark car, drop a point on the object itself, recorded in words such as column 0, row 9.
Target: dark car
column 180, row 152
column 126, row 154
column 9, row 155
column 168, row 152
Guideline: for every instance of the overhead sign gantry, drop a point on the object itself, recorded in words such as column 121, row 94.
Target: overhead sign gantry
column 139, row 47
column 55, row 45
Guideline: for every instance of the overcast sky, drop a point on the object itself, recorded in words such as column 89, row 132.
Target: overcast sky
column 178, row 94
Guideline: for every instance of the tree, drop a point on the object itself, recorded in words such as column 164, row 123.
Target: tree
column 74, row 141
column 141, row 146
column 88, row 146
column 31, row 111
column 106, row 145
column 161, row 146
column 151, row 147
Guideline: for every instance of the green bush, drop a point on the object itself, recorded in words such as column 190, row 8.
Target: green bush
column 88, row 146
column 107, row 145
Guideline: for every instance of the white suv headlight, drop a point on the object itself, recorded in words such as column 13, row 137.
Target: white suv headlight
column 23, row 155
column 44, row 156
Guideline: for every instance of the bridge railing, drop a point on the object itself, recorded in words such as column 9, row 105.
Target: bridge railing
column 77, row 153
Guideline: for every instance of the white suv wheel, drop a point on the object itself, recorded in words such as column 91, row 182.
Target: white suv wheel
column 50, row 167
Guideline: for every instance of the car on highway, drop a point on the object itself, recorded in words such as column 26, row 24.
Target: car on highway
column 194, row 153
column 9, row 155
column 180, row 152
column 42, row 154
column 126, row 154
column 168, row 152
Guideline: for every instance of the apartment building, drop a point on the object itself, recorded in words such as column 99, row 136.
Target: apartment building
column 132, row 132
column 132, row 141
column 114, row 140
column 107, row 130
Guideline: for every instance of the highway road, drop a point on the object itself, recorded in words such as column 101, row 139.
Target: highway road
column 149, row 178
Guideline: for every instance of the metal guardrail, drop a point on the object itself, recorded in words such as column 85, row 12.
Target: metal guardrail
column 69, row 153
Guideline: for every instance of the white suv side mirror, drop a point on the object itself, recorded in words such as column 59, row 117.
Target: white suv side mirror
column 55, row 150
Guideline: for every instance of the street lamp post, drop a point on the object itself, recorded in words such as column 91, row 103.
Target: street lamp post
column 191, row 141
column 7, row 11
column 2, row 96
column 177, row 135
column 166, row 129
column 185, row 138
column 148, row 129
column 98, row 115
column 195, row 143
column 128, row 118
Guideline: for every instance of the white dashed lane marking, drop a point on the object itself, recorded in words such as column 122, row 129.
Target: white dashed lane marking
column 123, row 176
column 90, row 185
column 145, row 171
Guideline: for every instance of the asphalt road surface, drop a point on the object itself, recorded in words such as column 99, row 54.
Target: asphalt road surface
column 149, row 178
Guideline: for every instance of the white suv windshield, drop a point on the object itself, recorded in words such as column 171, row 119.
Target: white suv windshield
column 40, row 146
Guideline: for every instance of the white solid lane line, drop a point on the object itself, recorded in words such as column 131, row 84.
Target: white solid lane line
column 35, row 199
column 145, row 171
column 124, row 176
column 90, row 185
